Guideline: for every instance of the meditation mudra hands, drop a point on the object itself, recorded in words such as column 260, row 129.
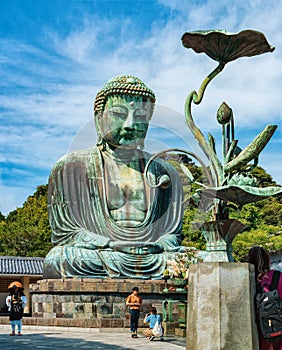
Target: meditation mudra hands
column 139, row 248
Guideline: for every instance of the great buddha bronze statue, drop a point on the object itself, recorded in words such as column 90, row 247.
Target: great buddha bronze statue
column 106, row 220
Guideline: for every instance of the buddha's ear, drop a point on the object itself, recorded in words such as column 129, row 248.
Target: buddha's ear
column 98, row 129
column 142, row 144
column 99, row 140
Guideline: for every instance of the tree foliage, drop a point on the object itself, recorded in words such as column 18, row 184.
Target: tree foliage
column 263, row 222
column 192, row 236
column 26, row 230
column 2, row 217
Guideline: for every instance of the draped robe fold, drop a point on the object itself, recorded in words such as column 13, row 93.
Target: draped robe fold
column 82, row 227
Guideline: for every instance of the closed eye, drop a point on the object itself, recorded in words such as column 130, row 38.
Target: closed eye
column 141, row 114
column 120, row 115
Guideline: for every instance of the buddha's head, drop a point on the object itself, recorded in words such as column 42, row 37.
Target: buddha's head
column 122, row 110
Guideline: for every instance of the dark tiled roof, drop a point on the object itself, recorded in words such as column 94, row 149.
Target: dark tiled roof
column 13, row 265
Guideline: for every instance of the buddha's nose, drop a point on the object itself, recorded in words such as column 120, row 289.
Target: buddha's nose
column 129, row 123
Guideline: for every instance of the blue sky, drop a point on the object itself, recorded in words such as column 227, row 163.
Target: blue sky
column 57, row 54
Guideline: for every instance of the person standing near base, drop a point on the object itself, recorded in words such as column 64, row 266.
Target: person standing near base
column 134, row 302
column 16, row 302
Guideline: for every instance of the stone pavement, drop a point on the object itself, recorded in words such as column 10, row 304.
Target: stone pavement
column 52, row 338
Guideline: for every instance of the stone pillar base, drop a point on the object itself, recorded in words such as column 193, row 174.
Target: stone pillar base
column 221, row 307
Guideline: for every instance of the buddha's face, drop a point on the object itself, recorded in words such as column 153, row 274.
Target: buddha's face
column 125, row 121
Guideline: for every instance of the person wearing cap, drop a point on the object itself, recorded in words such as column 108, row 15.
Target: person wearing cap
column 134, row 301
column 106, row 220
column 16, row 301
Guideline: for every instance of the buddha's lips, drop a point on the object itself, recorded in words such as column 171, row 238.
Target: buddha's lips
column 130, row 135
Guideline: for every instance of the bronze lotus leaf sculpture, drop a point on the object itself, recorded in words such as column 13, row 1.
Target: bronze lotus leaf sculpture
column 226, row 181
column 224, row 47
column 229, row 183
column 229, row 180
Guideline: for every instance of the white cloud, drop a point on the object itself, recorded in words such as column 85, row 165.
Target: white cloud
column 50, row 89
column 78, row 43
column 14, row 196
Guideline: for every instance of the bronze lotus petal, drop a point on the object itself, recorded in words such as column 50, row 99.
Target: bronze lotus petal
column 240, row 195
column 224, row 47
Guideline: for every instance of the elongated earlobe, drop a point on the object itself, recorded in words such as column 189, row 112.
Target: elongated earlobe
column 142, row 144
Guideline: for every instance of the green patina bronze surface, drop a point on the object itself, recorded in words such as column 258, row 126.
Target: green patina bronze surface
column 232, row 181
column 106, row 221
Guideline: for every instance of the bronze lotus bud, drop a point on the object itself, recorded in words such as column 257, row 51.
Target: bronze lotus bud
column 224, row 114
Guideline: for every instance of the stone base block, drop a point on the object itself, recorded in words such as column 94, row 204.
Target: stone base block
column 180, row 332
column 220, row 313
column 4, row 320
column 96, row 303
column 169, row 327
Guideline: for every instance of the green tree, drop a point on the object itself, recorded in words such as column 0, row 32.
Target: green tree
column 26, row 230
column 263, row 221
column 267, row 236
column 2, row 217
column 192, row 217
column 192, row 236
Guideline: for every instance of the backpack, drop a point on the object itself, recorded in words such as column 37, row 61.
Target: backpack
column 16, row 311
column 269, row 310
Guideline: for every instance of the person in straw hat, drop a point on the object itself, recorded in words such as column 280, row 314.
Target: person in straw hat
column 16, row 301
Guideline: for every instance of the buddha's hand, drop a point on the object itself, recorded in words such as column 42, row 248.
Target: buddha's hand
column 90, row 240
column 137, row 248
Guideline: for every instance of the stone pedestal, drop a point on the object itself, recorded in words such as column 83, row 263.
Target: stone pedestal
column 221, row 307
column 97, row 303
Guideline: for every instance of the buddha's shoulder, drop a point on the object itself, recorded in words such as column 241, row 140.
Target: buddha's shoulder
column 80, row 156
